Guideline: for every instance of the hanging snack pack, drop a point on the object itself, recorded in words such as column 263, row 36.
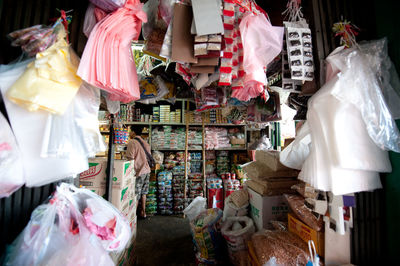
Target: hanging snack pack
column 165, row 193
column 299, row 50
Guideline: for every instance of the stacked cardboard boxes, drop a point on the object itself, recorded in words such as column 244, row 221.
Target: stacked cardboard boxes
column 269, row 179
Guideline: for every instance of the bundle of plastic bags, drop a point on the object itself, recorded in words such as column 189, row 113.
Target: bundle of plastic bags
column 11, row 171
column 262, row 42
column 107, row 60
column 350, row 122
column 75, row 227
column 29, row 130
column 50, row 82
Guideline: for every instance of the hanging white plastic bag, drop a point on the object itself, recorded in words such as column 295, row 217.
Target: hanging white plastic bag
column 294, row 155
column 76, row 132
column 11, row 168
column 56, row 234
column 197, row 206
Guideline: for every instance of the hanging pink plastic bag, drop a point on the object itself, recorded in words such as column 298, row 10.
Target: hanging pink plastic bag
column 107, row 61
column 57, row 234
column 11, row 169
column 262, row 42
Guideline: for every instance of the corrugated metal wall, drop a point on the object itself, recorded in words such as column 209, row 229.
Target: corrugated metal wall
column 15, row 211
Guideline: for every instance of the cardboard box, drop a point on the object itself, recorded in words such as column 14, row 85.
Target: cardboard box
column 306, row 233
column 123, row 174
column 120, row 199
column 264, row 209
column 267, row 166
column 101, row 191
column 272, row 187
column 95, row 176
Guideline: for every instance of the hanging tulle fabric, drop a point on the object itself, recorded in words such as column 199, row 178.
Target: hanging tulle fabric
column 107, row 61
column 350, row 124
column 262, row 42
column 50, row 82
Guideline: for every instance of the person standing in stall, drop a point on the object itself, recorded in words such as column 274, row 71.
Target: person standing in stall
column 139, row 151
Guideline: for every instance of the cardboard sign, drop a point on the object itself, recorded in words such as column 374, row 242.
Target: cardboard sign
column 182, row 40
column 207, row 17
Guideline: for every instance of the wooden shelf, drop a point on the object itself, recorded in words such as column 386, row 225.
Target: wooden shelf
column 154, row 123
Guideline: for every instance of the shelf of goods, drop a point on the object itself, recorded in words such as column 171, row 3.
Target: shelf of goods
column 184, row 138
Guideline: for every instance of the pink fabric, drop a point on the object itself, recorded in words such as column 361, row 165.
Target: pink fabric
column 107, row 60
column 262, row 42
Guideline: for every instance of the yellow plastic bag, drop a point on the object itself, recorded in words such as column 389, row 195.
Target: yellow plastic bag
column 50, row 82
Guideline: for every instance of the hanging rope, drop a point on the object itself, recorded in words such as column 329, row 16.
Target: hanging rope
column 347, row 33
column 293, row 11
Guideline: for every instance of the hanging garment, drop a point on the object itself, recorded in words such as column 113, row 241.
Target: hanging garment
column 262, row 42
column 350, row 124
column 107, row 61
column 29, row 128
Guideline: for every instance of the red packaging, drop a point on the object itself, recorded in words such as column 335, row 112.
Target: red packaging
column 228, row 192
column 233, row 176
column 216, row 194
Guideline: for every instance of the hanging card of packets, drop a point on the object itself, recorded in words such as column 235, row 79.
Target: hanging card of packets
column 297, row 56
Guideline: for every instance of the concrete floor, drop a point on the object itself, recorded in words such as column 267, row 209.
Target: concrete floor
column 164, row 240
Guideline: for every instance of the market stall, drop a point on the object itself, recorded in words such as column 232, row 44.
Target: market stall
column 257, row 144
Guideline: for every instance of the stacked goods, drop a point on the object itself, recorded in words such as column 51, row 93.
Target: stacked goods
column 178, row 185
column 168, row 138
column 195, row 162
column 231, row 185
column 268, row 176
column 217, row 138
column 237, row 137
column 195, row 139
column 210, row 164
column 121, row 135
column 195, row 190
column 126, row 112
column 215, row 193
column 195, row 117
column 165, row 192
column 151, row 200
column 156, row 114
column 165, row 113
column 223, row 163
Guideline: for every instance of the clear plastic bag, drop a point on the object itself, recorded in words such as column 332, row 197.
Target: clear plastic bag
column 57, row 234
column 90, row 20
column 108, row 5
column 366, row 72
column 197, row 206
column 100, row 216
column 76, row 132
column 11, row 169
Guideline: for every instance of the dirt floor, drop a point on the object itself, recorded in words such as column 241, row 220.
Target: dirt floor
column 164, row 240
